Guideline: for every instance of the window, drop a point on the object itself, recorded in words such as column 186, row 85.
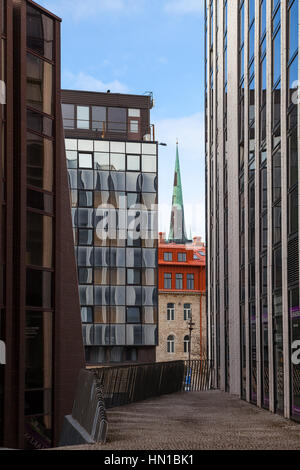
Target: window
column 134, row 112
column 167, row 281
column 40, row 33
column 133, row 276
column 133, row 162
column 171, row 344
column 133, row 315
column 187, row 312
column 186, row 344
column 83, row 117
column 117, row 120
column 168, row 256
column 98, row 118
column 68, row 116
column 179, row 281
column 182, row 257
column 171, row 312
column 190, row 281
column 85, row 160
column 134, row 126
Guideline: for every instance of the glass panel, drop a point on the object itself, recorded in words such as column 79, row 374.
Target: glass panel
column 101, row 315
column 38, row 288
column 71, row 158
column 133, row 315
column 85, row 275
column 85, row 256
column 132, row 147
column 149, row 296
column 98, row 118
column 117, row 315
column 149, row 277
column 134, row 112
column 117, row 162
column 85, row 160
column 118, row 147
column 117, row 120
column 149, row 149
column 68, row 112
column 85, row 179
column 39, row 84
column 83, row 117
column 86, row 145
column 149, row 183
column 117, row 337
column 149, row 163
column 87, row 314
column 39, row 162
column 101, row 161
column 39, row 32
column 117, row 181
column 133, row 162
column 39, row 249
column 86, row 295
column 71, row 144
column 85, row 199
column 133, row 182
column 40, row 201
column 133, row 334
column 39, row 123
column 133, row 297
column 101, row 146
column 38, row 336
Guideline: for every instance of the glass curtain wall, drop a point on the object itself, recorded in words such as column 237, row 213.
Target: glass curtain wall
column 114, row 191
column 292, row 179
column 225, row 183
column 251, row 201
column 40, row 227
column 242, row 192
column 263, row 207
column 2, row 201
column 276, row 203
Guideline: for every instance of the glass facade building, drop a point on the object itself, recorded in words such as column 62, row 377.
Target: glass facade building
column 38, row 282
column 252, row 172
column 113, row 186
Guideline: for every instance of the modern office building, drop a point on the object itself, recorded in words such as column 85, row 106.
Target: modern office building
column 252, row 171
column 112, row 164
column 181, row 299
column 40, row 313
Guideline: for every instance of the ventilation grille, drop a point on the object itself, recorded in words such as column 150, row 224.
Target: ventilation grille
column 293, row 261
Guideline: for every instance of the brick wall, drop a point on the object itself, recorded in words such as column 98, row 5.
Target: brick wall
column 179, row 327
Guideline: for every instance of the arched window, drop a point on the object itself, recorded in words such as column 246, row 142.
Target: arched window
column 186, row 344
column 171, row 312
column 171, row 344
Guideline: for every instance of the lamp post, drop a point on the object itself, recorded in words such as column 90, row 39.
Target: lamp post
column 190, row 327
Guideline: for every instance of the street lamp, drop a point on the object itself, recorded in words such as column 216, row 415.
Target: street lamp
column 190, row 327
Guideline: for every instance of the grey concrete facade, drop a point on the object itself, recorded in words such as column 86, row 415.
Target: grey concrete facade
column 252, row 173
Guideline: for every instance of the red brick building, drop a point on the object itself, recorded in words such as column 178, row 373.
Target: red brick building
column 182, row 297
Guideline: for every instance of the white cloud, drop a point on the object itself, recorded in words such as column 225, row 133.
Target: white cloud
column 189, row 131
column 83, row 81
column 80, row 10
column 184, row 6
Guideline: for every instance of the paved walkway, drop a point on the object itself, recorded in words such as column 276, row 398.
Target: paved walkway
column 198, row 420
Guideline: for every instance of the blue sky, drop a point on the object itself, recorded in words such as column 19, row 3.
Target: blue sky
column 134, row 46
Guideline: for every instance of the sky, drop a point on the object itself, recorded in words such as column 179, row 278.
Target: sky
column 137, row 46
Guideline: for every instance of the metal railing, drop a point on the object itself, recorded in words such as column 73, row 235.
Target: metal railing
column 132, row 383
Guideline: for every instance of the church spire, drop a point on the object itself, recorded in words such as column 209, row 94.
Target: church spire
column 177, row 226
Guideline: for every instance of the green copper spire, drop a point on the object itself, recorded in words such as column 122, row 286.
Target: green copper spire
column 177, row 226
